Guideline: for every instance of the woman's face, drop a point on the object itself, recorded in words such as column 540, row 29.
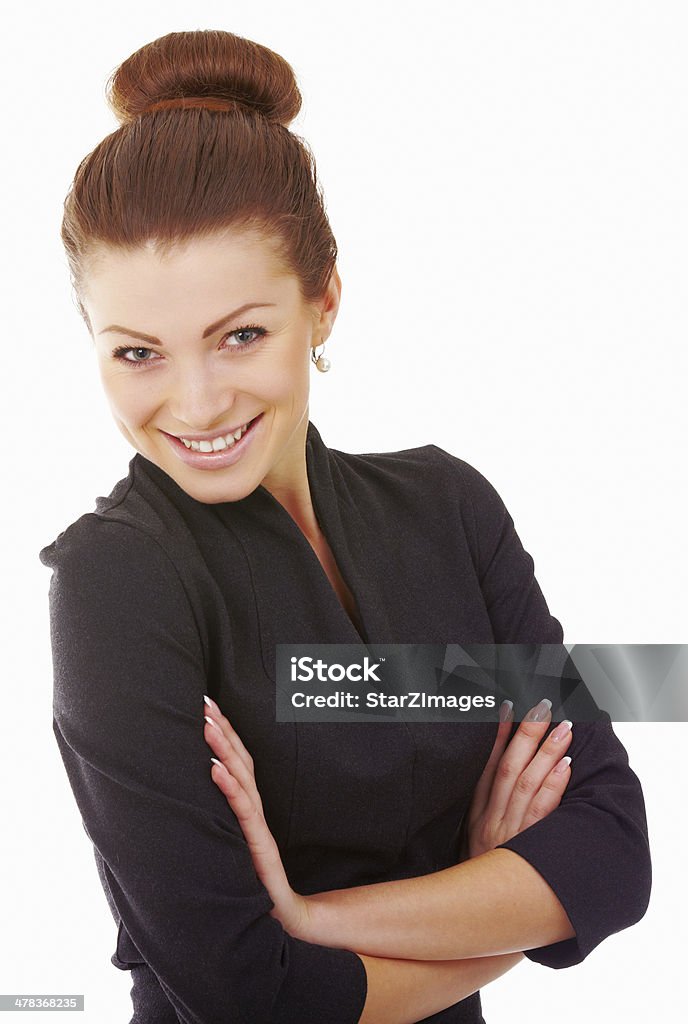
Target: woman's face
column 200, row 342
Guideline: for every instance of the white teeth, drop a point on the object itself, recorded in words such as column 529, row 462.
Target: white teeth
column 216, row 444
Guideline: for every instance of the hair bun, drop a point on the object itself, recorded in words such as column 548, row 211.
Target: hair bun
column 206, row 63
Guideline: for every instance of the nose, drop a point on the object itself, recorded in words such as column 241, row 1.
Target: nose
column 197, row 401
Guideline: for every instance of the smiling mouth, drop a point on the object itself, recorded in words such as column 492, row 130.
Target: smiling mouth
column 218, row 445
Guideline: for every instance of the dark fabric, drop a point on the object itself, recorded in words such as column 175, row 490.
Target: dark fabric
column 156, row 599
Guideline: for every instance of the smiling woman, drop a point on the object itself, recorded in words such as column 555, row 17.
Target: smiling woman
column 341, row 872
column 206, row 383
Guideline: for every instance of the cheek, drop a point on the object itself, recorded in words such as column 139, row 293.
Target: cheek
column 299, row 363
column 287, row 375
column 129, row 400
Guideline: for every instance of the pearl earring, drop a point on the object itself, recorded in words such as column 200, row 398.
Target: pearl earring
column 322, row 362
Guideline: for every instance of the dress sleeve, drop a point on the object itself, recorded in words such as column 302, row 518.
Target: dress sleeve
column 516, row 605
column 593, row 849
column 128, row 718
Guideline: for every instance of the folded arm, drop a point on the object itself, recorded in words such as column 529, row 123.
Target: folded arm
column 554, row 888
column 405, row 991
column 492, row 904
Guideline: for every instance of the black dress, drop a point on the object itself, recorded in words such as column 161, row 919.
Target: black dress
column 157, row 598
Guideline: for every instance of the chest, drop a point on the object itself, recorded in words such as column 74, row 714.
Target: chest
column 348, row 803
column 344, row 595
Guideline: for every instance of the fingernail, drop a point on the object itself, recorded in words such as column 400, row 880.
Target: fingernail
column 208, row 701
column 210, row 721
column 506, row 710
column 215, row 760
column 561, row 730
column 563, row 765
column 539, row 713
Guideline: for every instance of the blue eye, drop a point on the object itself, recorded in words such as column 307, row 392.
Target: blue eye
column 251, row 328
column 122, row 352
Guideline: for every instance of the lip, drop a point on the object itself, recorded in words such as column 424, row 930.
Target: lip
column 214, row 460
column 209, row 437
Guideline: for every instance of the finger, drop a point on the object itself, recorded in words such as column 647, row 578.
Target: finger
column 534, row 775
column 224, row 749
column 548, row 797
column 232, row 789
column 258, row 836
column 213, row 711
column 517, row 756
column 261, row 842
column 483, row 787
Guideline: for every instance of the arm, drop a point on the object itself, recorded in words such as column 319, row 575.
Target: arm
column 593, row 850
column 405, row 991
column 129, row 679
column 492, row 904
column 552, row 889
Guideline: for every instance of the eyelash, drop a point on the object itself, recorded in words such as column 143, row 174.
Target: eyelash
column 120, row 353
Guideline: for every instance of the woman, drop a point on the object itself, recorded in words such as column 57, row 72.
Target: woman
column 205, row 270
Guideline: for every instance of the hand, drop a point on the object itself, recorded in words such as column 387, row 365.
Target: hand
column 517, row 787
column 236, row 780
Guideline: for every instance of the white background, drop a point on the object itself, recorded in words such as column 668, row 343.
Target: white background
column 506, row 182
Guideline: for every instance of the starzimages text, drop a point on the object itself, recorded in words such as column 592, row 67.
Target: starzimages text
column 345, row 699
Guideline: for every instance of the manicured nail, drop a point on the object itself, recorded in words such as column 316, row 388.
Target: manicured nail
column 506, row 710
column 215, row 760
column 561, row 730
column 539, row 713
column 210, row 722
column 208, row 701
column 563, row 765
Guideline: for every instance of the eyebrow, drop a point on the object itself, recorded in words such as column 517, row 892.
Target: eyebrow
column 206, row 333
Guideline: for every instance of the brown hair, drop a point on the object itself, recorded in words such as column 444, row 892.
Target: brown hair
column 169, row 174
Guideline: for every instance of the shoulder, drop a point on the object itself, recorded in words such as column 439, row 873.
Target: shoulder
column 427, row 472
column 123, row 558
column 430, row 493
column 117, row 595
column 127, row 528
column 133, row 559
column 113, row 584
column 468, row 482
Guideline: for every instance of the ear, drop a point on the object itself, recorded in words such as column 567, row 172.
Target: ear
column 327, row 308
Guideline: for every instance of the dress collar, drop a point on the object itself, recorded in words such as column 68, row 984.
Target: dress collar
column 319, row 470
column 335, row 509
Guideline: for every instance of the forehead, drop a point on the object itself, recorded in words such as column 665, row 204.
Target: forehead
column 194, row 279
column 235, row 251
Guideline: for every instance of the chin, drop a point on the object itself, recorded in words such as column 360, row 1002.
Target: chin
column 211, row 491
